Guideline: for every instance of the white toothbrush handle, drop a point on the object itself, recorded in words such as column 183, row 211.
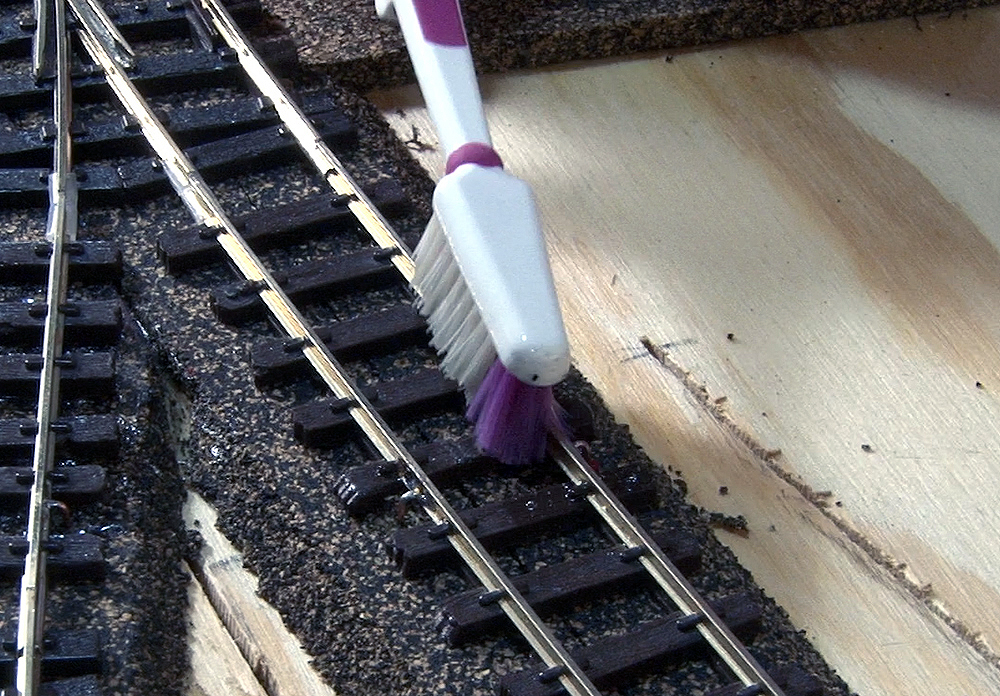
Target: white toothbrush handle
column 501, row 254
column 438, row 47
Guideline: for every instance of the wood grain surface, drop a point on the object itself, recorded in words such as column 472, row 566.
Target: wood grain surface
column 807, row 227
column 217, row 665
column 258, row 646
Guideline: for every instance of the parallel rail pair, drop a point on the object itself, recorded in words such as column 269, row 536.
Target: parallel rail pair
column 110, row 51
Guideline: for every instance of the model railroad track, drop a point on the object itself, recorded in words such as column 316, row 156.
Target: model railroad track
column 56, row 353
column 193, row 147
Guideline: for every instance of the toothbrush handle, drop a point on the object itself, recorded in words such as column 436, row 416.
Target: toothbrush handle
column 438, row 47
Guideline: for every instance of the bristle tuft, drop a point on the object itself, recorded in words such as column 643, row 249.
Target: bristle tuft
column 456, row 327
column 512, row 419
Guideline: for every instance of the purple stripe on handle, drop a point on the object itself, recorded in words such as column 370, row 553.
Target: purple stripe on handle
column 472, row 153
column 441, row 22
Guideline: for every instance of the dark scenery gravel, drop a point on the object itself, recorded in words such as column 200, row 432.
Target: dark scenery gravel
column 347, row 40
column 185, row 379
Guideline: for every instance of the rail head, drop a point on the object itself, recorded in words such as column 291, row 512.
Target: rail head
column 52, row 34
column 209, row 213
column 680, row 591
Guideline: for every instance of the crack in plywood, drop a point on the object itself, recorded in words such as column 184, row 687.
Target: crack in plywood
column 900, row 571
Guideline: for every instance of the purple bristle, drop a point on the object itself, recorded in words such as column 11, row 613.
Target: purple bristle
column 512, row 419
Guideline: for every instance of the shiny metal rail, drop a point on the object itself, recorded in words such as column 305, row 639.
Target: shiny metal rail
column 207, row 211
column 299, row 127
column 41, row 46
column 715, row 632
column 60, row 230
column 668, row 577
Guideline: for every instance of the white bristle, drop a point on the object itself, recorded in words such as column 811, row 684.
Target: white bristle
column 453, row 319
column 462, row 359
column 436, row 267
column 479, row 363
column 481, row 268
column 456, row 326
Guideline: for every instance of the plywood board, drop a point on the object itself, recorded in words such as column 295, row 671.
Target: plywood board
column 217, row 666
column 273, row 654
column 808, row 226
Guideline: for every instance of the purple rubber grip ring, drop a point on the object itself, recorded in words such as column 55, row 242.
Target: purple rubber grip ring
column 473, row 153
column 441, row 22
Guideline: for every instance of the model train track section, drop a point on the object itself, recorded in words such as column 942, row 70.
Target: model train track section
column 333, row 241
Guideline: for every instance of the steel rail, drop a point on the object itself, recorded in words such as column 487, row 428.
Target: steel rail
column 208, row 212
column 105, row 29
column 300, row 127
column 41, row 46
column 670, row 579
column 715, row 632
column 61, row 230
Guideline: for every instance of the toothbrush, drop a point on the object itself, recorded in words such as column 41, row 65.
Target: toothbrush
column 482, row 271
